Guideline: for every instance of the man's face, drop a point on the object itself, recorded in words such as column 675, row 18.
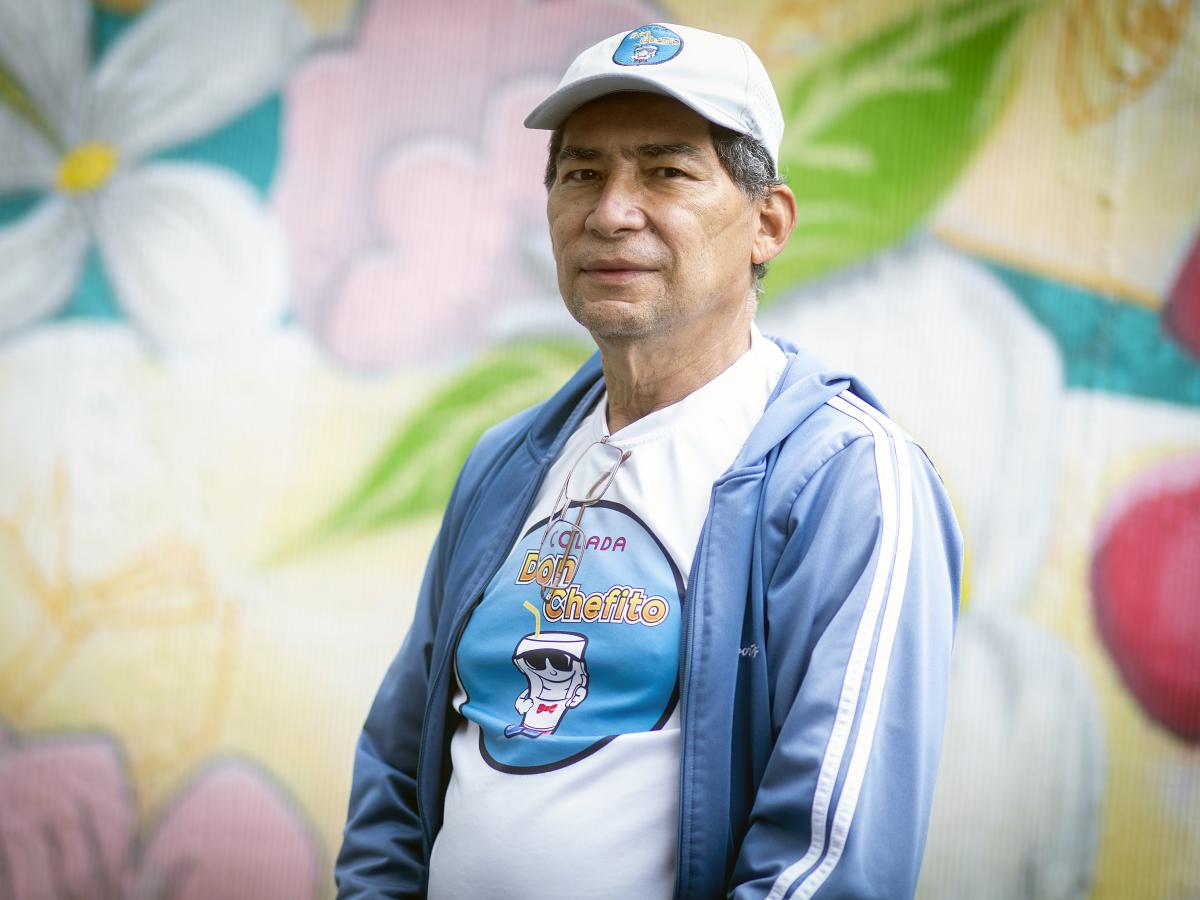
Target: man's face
column 650, row 233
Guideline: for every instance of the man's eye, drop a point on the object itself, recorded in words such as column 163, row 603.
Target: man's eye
column 670, row 172
column 580, row 175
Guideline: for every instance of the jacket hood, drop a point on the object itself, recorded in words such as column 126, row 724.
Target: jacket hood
column 803, row 388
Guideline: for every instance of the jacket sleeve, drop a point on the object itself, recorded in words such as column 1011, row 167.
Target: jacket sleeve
column 861, row 611
column 382, row 854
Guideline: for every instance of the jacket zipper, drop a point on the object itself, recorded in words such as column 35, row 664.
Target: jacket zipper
column 685, row 675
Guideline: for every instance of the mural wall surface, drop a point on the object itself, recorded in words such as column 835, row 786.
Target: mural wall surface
column 268, row 269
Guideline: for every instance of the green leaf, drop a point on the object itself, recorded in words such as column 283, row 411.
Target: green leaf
column 415, row 471
column 16, row 97
column 877, row 131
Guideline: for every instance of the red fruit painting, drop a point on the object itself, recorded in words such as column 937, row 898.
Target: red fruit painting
column 1145, row 580
column 1181, row 317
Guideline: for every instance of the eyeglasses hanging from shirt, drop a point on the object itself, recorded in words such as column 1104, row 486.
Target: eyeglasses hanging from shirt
column 561, row 550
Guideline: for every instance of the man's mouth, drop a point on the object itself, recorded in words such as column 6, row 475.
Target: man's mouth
column 615, row 270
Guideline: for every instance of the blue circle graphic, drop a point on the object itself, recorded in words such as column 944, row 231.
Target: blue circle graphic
column 648, row 45
column 598, row 661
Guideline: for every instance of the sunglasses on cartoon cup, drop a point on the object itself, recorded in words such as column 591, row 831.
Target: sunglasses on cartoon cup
column 539, row 659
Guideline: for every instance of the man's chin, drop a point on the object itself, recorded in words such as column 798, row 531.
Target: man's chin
column 615, row 317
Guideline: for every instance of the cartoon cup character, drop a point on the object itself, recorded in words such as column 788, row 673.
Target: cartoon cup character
column 553, row 662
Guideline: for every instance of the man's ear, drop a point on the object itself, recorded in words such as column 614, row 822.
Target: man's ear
column 776, row 219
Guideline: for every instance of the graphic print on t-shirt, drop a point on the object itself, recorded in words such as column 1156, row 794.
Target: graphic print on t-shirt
column 553, row 662
column 549, row 681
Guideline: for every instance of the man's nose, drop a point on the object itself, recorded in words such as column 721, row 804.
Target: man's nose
column 618, row 208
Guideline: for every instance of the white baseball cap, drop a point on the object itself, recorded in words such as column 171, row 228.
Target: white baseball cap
column 717, row 76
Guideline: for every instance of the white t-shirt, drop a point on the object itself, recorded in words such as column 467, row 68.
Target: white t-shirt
column 565, row 776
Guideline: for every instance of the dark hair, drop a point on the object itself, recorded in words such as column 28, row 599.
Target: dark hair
column 744, row 158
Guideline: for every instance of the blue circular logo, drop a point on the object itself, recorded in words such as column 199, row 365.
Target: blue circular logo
column 648, row 46
column 551, row 680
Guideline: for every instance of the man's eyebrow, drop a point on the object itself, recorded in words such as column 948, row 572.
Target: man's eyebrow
column 641, row 151
column 569, row 152
column 653, row 150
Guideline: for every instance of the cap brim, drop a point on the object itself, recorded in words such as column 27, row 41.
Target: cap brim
column 554, row 110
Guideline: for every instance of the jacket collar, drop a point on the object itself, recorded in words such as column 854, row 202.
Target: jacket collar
column 804, row 387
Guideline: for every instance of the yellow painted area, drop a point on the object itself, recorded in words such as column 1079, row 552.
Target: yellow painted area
column 318, row 635
column 965, row 589
column 1065, row 271
column 327, row 16
column 150, row 630
column 86, row 167
column 1090, row 174
column 125, row 7
column 1112, row 52
column 123, row 619
column 1144, row 850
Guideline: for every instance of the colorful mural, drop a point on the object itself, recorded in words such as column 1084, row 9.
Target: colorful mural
column 268, row 270
column 228, row 834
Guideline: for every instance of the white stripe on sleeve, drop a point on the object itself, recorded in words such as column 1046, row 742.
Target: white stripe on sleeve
column 865, row 739
column 860, row 652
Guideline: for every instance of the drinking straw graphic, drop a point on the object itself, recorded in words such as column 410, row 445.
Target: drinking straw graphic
column 537, row 618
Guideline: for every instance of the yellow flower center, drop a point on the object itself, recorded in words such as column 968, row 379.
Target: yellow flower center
column 123, row 6
column 86, row 167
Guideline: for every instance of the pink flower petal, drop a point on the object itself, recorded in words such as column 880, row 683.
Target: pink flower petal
column 231, row 836
column 413, row 72
column 450, row 220
column 66, row 819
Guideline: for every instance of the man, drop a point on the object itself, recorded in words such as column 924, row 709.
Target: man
column 686, row 628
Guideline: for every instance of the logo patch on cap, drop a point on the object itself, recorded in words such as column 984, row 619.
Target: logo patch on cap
column 648, row 46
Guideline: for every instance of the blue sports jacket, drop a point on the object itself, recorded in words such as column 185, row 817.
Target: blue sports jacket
column 818, row 624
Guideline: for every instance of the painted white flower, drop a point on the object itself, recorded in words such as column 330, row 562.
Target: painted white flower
column 193, row 255
column 963, row 366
